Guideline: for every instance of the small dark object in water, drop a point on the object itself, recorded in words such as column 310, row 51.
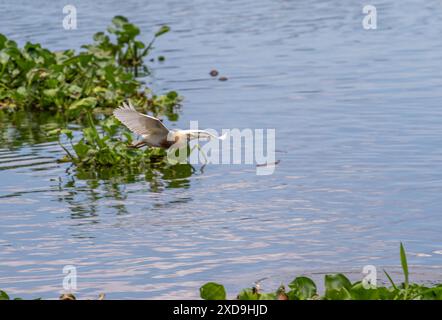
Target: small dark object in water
column 214, row 73
column 268, row 164
column 222, row 78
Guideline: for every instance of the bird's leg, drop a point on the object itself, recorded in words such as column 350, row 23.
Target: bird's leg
column 202, row 152
column 138, row 144
column 204, row 155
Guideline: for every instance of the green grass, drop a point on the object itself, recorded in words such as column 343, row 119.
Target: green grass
column 337, row 287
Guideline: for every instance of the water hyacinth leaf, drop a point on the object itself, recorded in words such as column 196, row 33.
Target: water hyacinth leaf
column 172, row 95
column 4, row 295
column 67, row 133
column 3, row 40
column 50, row 92
column 162, row 30
column 119, row 21
column 87, row 103
column 139, row 45
column 303, row 287
column 54, row 132
column 336, row 282
column 213, row 291
column 21, row 91
column 4, row 57
column 248, row 294
column 131, row 30
column 341, row 294
column 99, row 37
column 81, row 149
column 267, row 296
column 359, row 292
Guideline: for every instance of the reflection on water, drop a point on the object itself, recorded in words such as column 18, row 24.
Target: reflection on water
column 356, row 114
column 26, row 128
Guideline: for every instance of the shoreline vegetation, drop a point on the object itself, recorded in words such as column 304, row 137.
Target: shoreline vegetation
column 83, row 87
column 337, row 287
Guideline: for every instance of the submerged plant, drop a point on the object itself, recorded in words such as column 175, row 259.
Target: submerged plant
column 337, row 287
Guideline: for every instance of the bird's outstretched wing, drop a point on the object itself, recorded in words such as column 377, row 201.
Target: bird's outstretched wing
column 141, row 124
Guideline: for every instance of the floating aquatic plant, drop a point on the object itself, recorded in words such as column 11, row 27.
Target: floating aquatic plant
column 81, row 85
column 103, row 75
column 337, row 287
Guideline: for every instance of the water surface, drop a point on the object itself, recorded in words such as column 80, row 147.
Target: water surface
column 357, row 117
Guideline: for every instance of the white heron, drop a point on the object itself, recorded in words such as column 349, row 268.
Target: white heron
column 154, row 133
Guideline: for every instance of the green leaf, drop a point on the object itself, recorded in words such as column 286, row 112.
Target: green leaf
column 119, row 21
column 54, row 132
column 303, row 287
column 213, row 291
column 4, row 57
column 267, row 296
column 341, row 294
column 81, row 149
column 4, row 295
column 131, row 30
column 162, row 30
column 99, row 37
column 85, row 103
column 172, row 95
column 404, row 264
column 68, row 133
column 336, row 282
column 391, row 280
column 50, row 92
column 248, row 294
column 358, row 292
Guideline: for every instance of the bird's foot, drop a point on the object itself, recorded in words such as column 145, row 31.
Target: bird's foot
column 137, row 144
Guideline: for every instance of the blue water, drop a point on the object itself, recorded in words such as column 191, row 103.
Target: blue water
column 357, row 117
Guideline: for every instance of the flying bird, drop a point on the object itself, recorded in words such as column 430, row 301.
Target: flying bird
column 154, row 133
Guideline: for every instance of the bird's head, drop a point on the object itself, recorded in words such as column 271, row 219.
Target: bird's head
column 202, row 135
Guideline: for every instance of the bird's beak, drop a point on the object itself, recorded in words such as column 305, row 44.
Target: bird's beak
column 223, row 137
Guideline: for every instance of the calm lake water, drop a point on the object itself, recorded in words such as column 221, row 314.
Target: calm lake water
column 358, row 132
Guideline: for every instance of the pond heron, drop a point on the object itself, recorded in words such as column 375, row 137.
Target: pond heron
column 154, row 133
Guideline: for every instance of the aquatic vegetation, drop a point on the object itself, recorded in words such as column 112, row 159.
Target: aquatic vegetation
column 103, row 149
column 102, row 76
column 128, row 51
column 81, row 85
column 337, row 287
column 64, row 296
column 5, row 296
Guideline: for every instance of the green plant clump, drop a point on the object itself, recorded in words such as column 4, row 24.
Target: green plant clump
column 337, row 287
column 105, row 149
column 81, row 86
column 102, row 76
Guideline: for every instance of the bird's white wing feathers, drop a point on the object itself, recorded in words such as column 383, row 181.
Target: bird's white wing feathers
column 139, row 123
